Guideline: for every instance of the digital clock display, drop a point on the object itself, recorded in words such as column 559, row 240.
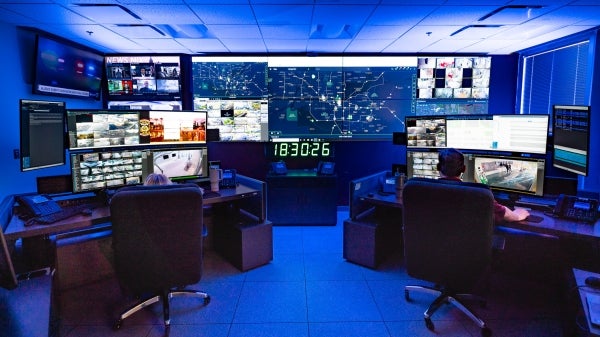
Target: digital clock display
column 302, row 149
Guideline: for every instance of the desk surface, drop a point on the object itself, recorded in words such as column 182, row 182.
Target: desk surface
column 16, row 228
column 550, row 225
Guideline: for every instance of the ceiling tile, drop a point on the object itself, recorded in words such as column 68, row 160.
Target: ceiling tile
column 451, row 15
column 107, row 14
column 245, row 45
column 289, row 32
column 283, row 14
column 369, row 46
column 179, row 14
column 47, row 13
column 283, row 45
column 235, row 31
column 203, row 45
column 381, row 32
column 225, row 14
column 399, row 15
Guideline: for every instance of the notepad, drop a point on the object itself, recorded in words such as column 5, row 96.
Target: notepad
column 593, row 302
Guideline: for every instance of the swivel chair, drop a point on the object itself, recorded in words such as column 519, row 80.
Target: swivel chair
column 448, row 230
column 157, row 242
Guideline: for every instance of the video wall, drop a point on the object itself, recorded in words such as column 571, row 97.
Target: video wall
column 333, row 98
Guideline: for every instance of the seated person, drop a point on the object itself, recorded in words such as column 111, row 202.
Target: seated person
column 157, row 179
column 451, row 165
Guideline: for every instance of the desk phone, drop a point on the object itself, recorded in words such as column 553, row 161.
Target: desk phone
column 576, row 208
column 38, row 205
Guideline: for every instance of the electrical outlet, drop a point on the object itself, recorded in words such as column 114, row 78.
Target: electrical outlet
column 16, row 154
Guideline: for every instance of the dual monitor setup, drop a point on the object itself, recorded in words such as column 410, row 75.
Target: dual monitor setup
column 507, row 152
column 112, row 148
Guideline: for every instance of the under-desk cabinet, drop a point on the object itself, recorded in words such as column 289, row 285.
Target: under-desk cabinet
column 301, row 198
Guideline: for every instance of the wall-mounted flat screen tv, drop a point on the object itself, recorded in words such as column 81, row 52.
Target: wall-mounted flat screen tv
column 42, row 134
column 143, row 77
column 62, row 69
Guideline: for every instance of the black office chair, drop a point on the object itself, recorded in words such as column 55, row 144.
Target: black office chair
column 448, row 228
column 157, row 241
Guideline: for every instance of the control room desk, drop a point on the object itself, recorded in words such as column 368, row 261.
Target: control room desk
column 240, row 210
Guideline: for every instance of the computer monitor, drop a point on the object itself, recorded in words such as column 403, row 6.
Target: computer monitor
column 110, row 169
column 510, row 174
column 173, row 127
column 96, row 129
column 42, row 125
column 571, row 134
column 422, row 163
column 426, row 132
column 238, row 120
column 181, row 163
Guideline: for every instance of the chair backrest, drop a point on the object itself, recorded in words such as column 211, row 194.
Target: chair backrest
column 448, row 228
column 157, row 236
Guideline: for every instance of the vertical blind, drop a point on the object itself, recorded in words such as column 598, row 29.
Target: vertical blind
column 556, row 76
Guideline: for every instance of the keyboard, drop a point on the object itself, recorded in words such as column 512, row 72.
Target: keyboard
column 64, row 213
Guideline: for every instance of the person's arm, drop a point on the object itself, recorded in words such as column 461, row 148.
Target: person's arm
column 517, row 214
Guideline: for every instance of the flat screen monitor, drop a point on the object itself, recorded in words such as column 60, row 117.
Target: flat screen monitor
column 456, row 85
column 229, row 77
column 181, row 163
column 510, row 133
column 93, row 129
column 93, row 171
column 145, row 105
column 238, row 120
column 62, row 69
column 8, row 278
column 571, row 134
column 42, row 137
column 143, row 77
column 173, row 127
column 422, row 163
column 511, row 174
column 426, row 132
column 506, row 133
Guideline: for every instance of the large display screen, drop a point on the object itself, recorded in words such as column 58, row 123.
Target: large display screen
column 508, row 133
column 571, row 133
column 181, row 163
column 42, row 134
column 143, row 77
column 236, row 119
column 65, row 70
column 97, row 129
column 454, row 85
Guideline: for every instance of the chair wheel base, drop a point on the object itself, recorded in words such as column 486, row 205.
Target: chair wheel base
column 206, row 300
column 118, row 324
column 429, row 324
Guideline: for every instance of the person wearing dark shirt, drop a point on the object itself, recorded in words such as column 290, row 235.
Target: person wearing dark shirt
column 451, row 165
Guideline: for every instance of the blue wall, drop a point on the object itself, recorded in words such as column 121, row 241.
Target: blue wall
column 353, row 159
column 18, row 49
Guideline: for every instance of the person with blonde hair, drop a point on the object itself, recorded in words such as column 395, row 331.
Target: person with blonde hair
column 157, row 179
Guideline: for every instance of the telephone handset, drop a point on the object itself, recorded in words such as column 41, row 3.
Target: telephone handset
column 576, row 208
column 38, row 205
column 325, row 168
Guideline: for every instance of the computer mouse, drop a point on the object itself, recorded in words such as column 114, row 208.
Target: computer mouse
column 593, row 281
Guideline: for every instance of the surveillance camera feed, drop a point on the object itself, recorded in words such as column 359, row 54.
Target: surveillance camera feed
column 422, row 164
column 511, row 174
column 426, row 132
column 178, row 164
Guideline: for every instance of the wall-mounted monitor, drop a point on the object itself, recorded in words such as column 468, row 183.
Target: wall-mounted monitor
column 454, row 85
column 181, row 163
column 571, row 134
column 143, row 77
column 145, row 105
column 236, row 119
column 229, row 77
column 426, row 132
column 62, row 69
column 42, row 125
